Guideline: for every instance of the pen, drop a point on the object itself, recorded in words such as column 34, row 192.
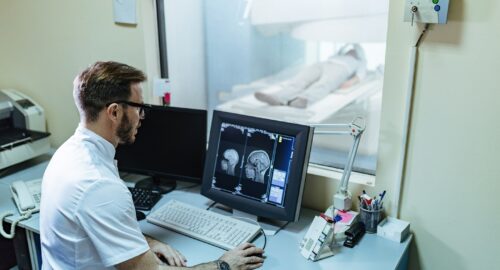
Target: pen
column 382, row 195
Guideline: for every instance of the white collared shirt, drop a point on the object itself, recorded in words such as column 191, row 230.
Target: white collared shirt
column 87, row 216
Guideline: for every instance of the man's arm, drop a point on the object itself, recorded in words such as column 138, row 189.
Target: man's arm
column 149, row 261
column 245, row 256
column 161, row 250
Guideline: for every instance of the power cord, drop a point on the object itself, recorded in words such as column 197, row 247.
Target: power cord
column 261, row 229
column 420, row 38
column 10, row 235
column 211, row 205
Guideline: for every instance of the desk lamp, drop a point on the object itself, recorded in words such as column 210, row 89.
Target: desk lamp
column 342, row 200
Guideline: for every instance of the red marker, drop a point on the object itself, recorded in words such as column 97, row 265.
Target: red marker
column 327, row 218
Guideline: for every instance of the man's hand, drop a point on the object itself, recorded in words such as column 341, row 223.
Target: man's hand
column 245, row 256
column 173, row 257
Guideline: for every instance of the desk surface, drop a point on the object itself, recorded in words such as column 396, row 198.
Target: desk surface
column 282, row 249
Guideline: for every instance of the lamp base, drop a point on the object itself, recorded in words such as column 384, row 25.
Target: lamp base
column 342, row 201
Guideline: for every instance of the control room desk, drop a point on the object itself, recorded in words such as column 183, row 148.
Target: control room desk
column 282, row 249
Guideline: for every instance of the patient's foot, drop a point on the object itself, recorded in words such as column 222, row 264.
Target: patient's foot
column 267, row 98
column 299, row 102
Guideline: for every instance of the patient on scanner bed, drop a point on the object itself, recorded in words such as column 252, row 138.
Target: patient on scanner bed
column 316, row 81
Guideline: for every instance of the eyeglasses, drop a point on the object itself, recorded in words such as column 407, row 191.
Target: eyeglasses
column 139, row 106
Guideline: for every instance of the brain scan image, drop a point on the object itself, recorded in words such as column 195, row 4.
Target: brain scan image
column 229, row 161
column 258, row 163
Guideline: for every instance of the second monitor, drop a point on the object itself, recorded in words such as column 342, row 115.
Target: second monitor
column 256, row 165
column 170, row 145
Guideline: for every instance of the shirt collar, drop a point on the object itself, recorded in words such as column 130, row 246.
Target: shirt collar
column 105, row 147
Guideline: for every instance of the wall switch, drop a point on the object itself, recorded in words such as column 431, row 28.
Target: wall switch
column 426, row 11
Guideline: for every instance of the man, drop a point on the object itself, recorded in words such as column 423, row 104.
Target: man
column 87, row 217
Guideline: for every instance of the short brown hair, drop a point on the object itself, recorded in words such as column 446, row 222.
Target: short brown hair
column 102, row 83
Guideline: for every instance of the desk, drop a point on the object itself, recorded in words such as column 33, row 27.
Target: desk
column 282, row 250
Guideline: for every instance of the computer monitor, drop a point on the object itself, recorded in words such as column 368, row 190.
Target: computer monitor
column 257, row 165
column 170, row 145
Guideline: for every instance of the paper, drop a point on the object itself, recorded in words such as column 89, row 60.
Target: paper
column 124, row 11
column 347, row 217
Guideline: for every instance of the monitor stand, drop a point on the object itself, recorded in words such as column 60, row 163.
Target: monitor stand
column 161, row 184
column 270, row 226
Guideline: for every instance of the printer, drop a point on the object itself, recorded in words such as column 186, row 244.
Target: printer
column 22, row 128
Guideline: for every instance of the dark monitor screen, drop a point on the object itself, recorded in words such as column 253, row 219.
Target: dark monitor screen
column 257, row 165
column 170, row 143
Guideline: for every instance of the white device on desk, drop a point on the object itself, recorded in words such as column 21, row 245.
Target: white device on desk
column 26, row 196
column 318, row 241
column 22, row 128
column 207, row 226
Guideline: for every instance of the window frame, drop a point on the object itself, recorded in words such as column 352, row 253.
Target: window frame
column 313, row 168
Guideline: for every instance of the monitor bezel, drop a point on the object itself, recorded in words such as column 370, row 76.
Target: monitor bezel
column 172, row 176
column 293, row 199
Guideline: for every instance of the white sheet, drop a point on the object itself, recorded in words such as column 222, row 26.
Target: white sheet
column 314, row 113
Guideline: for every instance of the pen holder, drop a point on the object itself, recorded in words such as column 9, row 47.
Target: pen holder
column 371, row 218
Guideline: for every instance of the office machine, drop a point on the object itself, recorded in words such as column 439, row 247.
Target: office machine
column 22, row 128
column 170, row 145
column 257, row 166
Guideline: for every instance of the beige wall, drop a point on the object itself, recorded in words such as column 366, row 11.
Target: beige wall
column 453, row 176
column 44, row 44
column 450, row 192
column 452, row 180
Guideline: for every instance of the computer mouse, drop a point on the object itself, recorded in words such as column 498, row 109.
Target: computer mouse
column 139, row 215
column 260, row 255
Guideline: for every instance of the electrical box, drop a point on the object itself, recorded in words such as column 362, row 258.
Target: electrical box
column 426, row 11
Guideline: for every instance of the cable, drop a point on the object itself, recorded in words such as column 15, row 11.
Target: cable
column 210, row 206
column 10, row 235
column 265, row 238
column 426, row 27
column 261, row 229
column 406, row 124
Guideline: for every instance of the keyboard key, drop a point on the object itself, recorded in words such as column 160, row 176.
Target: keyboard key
column 144, row 199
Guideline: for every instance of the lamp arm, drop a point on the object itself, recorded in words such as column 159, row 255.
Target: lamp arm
column 342, row 199
column 344, row 182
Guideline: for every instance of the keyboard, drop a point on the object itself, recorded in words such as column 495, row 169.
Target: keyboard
column 144, row 198
column 213, row 228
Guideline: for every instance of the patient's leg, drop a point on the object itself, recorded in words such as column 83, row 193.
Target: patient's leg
column 336, row 71
column 289, row 89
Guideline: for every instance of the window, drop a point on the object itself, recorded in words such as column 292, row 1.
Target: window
column 263, row 58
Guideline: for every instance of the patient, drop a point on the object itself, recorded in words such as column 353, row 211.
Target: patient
column 316, row 81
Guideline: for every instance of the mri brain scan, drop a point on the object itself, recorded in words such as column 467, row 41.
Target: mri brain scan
column 229, row 161
column 257, row 164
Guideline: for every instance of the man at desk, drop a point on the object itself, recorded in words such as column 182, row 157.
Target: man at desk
column 87, row 218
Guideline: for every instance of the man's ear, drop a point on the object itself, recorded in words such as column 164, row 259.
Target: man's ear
column 113, row 112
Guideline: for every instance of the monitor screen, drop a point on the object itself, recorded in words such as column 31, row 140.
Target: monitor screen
column 257, row 165
column 170, row 143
